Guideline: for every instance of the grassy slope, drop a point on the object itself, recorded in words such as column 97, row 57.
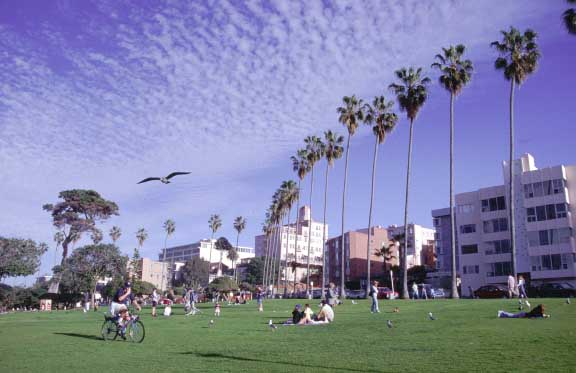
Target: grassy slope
column 466, row 337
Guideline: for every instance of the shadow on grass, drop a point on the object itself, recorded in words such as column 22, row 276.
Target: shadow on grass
column 85, row 336
column 239, row 358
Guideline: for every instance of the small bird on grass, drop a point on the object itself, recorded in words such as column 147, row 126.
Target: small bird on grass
column 568, row 301
column 396, row 310
column 354, row 302
column 431, row 316
column 211, row 323
column 389, row 324
column 271, row 325
column 527, row 303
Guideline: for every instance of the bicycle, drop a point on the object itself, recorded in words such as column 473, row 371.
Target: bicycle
column 134, row 329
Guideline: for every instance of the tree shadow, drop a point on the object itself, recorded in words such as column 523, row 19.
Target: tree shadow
column 85, row 336
column 240, row 358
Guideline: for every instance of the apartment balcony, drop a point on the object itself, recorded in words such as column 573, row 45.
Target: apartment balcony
column 560, row 248
column 554, row 274
column 550, row 224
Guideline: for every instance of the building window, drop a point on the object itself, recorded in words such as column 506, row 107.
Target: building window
column 469, row 249
column 498, row 247
column 552, row 262
column 470, row 270
column 493, row 204
column 544, row 188
column 436, row 222
column 468, row 228
column 465, row 209
column 546, row 212
column 549, row 237
column 499, row 269
column 495, row 225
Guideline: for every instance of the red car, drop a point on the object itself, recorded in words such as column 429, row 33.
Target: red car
column 491, row 291
column 386, row 293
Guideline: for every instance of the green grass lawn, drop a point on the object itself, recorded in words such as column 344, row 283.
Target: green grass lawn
column 466, row 336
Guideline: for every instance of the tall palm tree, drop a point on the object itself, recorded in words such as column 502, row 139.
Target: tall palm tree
column 169, row 228
column 239, row 225
column 569, row 17
column 141, row 236
column 290, row 195
column 350, row 115
column 519, row 56
column 314, row 153
column 115, row 233
column 411, row 93
column 383, row 119
column 214, row 223
column 267, row 229
column 301, row 166
column 332, row 149
column 455, row 74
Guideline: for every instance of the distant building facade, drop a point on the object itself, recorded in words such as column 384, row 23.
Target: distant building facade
column 355, row 245
column 544, row 235
column 152, row 271
column 295, row 242
column 420, row 245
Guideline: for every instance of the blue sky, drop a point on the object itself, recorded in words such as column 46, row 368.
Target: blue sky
column 98, row 95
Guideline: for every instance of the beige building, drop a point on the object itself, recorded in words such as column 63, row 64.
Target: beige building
column 152, row 271
column 295, row 243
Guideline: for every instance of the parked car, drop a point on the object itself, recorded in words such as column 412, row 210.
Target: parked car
column 491, row 291
column 557, row 289
column 355, row 294
column 387, row 293
column 438, row 293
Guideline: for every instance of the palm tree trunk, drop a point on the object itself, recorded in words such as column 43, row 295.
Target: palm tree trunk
column 511, row 185
column 279, row 279
column 370, row 217
column 309, row 233
column 210, row 256
column 404, row 255
column 234, row 261
column 266, row 253
column 296, row 236
column 267, row 261
column 342, row 249
column 286, row 257
column 272, row 271
column 163, row 263
column 455, row 294
column 324, row 231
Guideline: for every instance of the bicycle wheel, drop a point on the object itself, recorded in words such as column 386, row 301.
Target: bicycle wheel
column 136, row 331
column 109, row 330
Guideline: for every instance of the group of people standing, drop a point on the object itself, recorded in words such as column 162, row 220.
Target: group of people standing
column 517, row 288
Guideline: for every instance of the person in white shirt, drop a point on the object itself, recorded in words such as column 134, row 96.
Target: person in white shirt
column 155, row 299
column 415, row 290
column 326, row 314
column 511, row 286
column 373, row 293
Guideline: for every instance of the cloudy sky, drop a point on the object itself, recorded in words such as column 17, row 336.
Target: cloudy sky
column 98, row 95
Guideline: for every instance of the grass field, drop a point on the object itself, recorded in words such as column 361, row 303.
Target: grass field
column 466, row 337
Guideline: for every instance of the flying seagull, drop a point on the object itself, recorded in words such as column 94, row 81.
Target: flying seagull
column 165, row 180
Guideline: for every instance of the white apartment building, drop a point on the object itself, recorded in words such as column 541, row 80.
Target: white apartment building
column 544, row 235
column 296, row 244
column 420, row 243
column 202, row 249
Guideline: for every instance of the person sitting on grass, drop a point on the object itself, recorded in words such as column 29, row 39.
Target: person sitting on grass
column 306, row 315
column 326, row 314
column 297, row 314
column 537, row 312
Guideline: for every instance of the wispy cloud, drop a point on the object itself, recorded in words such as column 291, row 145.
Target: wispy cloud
column 100, row 97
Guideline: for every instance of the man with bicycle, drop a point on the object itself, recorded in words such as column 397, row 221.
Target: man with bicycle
column 122, row 299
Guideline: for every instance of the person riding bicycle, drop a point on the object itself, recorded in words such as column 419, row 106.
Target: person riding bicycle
column 122, row 299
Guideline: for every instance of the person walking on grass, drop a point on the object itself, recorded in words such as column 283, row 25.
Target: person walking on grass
column 415, row 290
column 155, row 299
column 374, row 295
column 331, row 296
column 511, row 286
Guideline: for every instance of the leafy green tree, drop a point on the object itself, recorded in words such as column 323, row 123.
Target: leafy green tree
column 569, row 17
column 222, row 245
column 411, row 93
column 194, row 272
column 115, row 233
column 223, row 284
column 92, row 262
column 214, row 223
column 96, row 236
column 455, row 74
column 239, row 226
column 255, row 270
column 350, row 115
column 519, row 57
column 19, row 257
column 383, row 119
column 78, row 212
column 142, row 288
column 332, row 150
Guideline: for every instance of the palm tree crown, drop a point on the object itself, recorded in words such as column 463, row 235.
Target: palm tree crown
column 351, row 113
column 115, row 233
column 569, row 17
column 141, row 236
column 169, row 227
column 215, row 223
column 456, row 73
column 300, row 163
column 314, row 150
column 411, row 92
column 332, row 147
column 380, row 114
column 519, row 54
column 239, row 224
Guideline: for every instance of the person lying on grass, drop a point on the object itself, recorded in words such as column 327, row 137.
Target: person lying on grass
column 537, row 312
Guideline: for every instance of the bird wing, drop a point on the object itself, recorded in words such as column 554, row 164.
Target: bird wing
column 149, row 179
column 176, row 174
